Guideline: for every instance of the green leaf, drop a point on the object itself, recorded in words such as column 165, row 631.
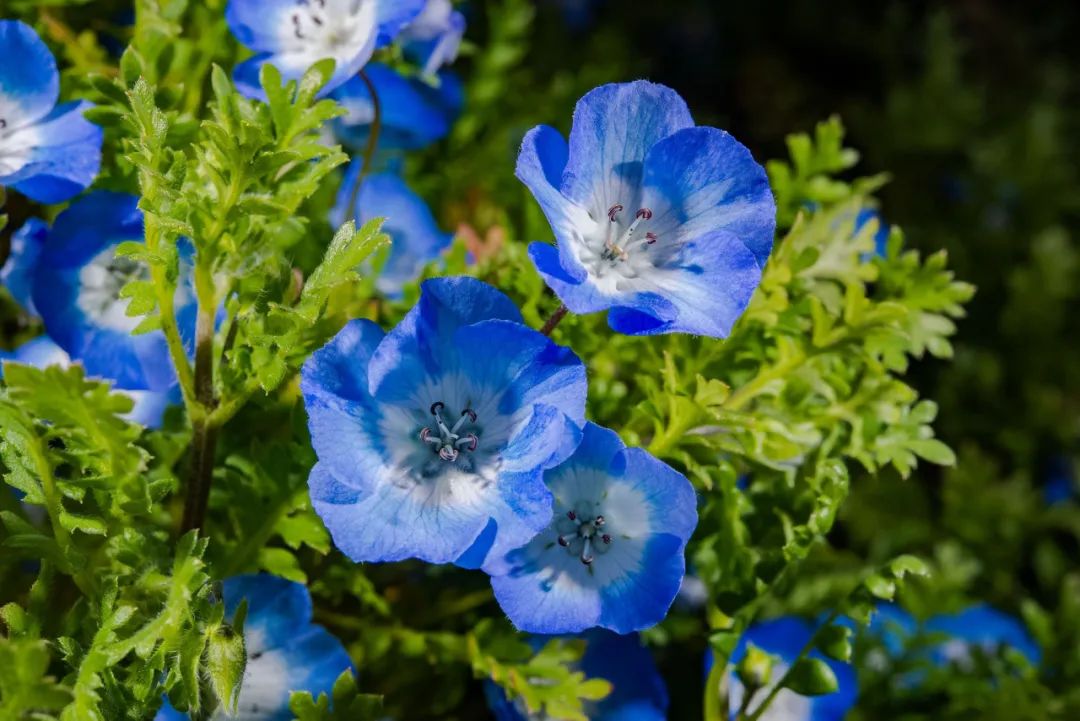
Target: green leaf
column 811, row 677
column 226, row 658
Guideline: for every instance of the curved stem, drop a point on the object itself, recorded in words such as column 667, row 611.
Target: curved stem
column 779, row 685
column 554, row 320
column 369, row 149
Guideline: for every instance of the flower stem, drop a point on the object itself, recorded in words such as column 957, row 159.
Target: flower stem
column 779, row 685
column 204, row 429
column 369, row 149
column 554, row 320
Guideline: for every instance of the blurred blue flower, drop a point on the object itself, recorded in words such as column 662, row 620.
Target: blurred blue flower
column 286, row 652
column 293, row 35
column 881, row 235
column 433, row 39
column 150, row 406
column 416, row 238
column 76, row 290
column 613, row 554
column 48, row 152
column 637, row 689
column 433, row 438
column 1060, row 481
column 414, row 113
column 667, row 224
column 17, row 273
column 784, row 638
column 983, row 627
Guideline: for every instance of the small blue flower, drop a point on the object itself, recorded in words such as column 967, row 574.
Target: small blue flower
column 434, row 38
column 48, row 152
column 982, row 627
column 613, row 555
column 881, row 235
column 17, row 273
column 149, row 408
column 76, row 287
column 293, row 35
column 414, row 114
column 433, row 438
column 416, row 238
column 637, row 689
column 667, row 224
column 286, row 652
column 785, row 637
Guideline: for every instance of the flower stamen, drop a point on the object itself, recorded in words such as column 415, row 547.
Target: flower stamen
column 448, row 442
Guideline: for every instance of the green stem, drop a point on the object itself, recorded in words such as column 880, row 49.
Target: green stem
column 779, row 685
column 369, row 149
column 204, row 429
column 715, row 701
column 165, row 291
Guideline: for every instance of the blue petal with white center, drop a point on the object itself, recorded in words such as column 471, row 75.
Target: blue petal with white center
column 637, row 689
column 293, row 35
column 76, row 291
column 613, row 555
column 415, row 237
column 17, row 273
column 982, row 627
column 414, row 113
column 286, row 652
column 785, row 637
column 149, row 406
column 434, row 38
column 666, row 224
column 47, row 152
column 441, row 428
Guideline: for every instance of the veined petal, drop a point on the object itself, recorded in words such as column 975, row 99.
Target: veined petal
column 614, row 128
column 29, row 80
column 393, row 15
column 65, row 159
column 18, row 272
column 276, row 608
column 258, row 23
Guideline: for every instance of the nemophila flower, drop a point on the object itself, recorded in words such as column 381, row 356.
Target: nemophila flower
column 666, row 224
column 286, row 652
column 48, row 152
column 881, row 235
column 433, row 39
column 416, row 238
column 149, row 406
column 637, row 689
column 17, row 273
column 293, row 35
column 784, row 638
column 414, row 113
column 76, row 290
column 613, row 554
column 432, row 438
column 980, row 627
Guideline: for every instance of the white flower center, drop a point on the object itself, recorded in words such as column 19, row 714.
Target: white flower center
column 448, row 442
column 16, row 143
column 100, row 282
column 584, row 533
column 318, row 29
column 619, row 249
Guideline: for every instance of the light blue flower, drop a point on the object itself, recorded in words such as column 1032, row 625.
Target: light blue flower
column 981, row 627
column 784, row 638
column 150, row 406
column 416, row 238
column 414, row 113
column 434, row 38
column 76, row 287
column 667, row 224
column 293, row 35
column 433, row 438
column 637, row 689
column 17, row 273
column 48, row 152
column 286, row 652
column 613, row 554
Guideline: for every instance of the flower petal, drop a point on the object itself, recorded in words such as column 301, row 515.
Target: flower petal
column 18, row 272
column 29, row 80
column 66, row 159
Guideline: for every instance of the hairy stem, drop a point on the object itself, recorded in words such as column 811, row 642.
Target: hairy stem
column 204, row 430
column 369, row 149
column 165, row 292
column 554, row 320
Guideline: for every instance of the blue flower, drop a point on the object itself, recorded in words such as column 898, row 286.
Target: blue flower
column 637, row 689
column 613, row 555
column 149, row 408
column 17, row 273
column 881, row 235
column 433, row 438
column 286, row 652
column 293, row 35
column 416, row 238
column 982, row 627
column 48, row 152
column 414, row 113
column 667, row 224
column 76, row 286
column 433, row 39
column 1059, row 484
column 785, row 637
